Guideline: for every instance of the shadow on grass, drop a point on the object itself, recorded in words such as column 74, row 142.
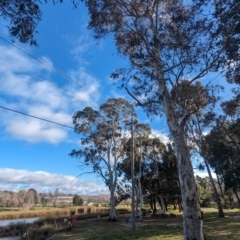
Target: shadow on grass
column 155, row 229
column 104, row 230
column 221, row 228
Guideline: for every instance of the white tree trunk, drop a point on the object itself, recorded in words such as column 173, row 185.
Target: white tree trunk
column 192, row 219
column 141, row 203
column 163, row 207
column 200, row 143
column 136, row 196
column 217, row 198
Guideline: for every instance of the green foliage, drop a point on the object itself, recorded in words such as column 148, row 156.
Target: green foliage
column 103, row 134
column 204, row 191
column 158, row 167
column 77, row 200
column 23, row 16
column 224, row 150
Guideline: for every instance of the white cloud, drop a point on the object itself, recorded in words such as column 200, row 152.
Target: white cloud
column 35, row 131
column 40, row 97
column 162, row 136
column 82, row 44
column 88, row 85
column 23, row 179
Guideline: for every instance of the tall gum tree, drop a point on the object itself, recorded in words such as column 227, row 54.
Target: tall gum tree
column 103, row 135
column 142, row 131
column 165, row 41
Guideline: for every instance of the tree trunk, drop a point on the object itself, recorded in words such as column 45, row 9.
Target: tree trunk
column 220, row 187
column 112, row 214
column 154, row 205
column 166, row 203
column 151, row 202
column 162, row 203
column 141, row 203
column 236, row 194
column 179, row 204
column 192, row 219
column 220, row 208
column 133, row 180
column 204, row 155
column 137, row 198
column 139, row 184
column 174, row 206
column 163, row 207
column 159, row 186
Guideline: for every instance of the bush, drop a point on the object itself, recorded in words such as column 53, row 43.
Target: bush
column 77, row 201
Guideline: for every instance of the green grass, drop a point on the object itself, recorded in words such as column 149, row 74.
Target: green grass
column 114, row 231
column 101, row 229
column 224, row 228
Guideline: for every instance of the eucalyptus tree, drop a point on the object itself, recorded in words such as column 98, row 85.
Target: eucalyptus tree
column 31, row 197
column 164, row 42
column 103, row 134
column 169, row 172
column 205, row 191
column 223, row 142
column 227, row 23
column 142, row 132
column 198, row 124
column 156, row 168
column 163, row 166
column 154, row 152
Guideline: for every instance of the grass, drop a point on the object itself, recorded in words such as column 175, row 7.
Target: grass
column 222, row 229
column 154, row 229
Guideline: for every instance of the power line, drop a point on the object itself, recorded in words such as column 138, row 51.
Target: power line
column 40, row 60
column 9, row 109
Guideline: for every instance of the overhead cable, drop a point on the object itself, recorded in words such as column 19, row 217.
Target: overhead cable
column 46, row 120
column 40, row 60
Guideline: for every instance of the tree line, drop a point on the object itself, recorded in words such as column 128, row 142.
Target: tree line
column 107, row 150
column 29, row 198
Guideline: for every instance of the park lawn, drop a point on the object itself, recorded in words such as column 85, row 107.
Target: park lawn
column 115, row 231
column 95, row 229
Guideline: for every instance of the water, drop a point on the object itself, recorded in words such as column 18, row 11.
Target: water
column 4, row 223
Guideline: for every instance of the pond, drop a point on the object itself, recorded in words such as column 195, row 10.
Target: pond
column 4, row 223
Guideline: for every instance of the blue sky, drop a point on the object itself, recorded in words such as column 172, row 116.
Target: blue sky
column 34, row 153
